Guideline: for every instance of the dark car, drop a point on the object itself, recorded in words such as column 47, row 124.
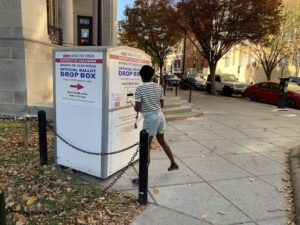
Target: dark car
column 196, row 83
column 295, row 80
column 172, row 80
column 268, row 92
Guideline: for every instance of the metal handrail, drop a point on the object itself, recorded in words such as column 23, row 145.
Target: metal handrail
column 190, row 87
column 55, row 35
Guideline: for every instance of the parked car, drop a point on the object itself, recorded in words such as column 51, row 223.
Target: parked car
column 295, row 80
column 227, row 84
column 191, row 81
column 268, row 92
column 172, row 80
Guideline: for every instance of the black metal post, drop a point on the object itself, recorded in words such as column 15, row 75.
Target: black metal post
column 176, row 88
column 2, row 209
column 143, row 168
column 282, row 92
column 165, row 86
column 42, row 137
column 190, row 96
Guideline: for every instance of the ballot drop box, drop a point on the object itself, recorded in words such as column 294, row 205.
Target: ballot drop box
column 93, row 100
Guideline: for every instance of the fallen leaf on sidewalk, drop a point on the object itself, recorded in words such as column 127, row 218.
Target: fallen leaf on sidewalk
column 155, row 191
column 251, row 179
column 221, row 212
column 279, row 190
column 222, row 193
column 189, row 185
column 204, row 216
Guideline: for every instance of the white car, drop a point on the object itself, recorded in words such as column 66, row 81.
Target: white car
column 227, row 84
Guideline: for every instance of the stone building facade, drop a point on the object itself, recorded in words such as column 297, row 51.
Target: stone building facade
column 30, row 29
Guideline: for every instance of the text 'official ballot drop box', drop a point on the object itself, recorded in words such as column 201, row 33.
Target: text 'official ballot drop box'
column 93, row 100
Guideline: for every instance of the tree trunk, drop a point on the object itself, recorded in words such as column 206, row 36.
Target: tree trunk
column 161, row 82
column 212, row 68
column 268, row 75
column 297, row 70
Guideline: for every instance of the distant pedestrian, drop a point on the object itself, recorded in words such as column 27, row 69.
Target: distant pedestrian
column 149, row 99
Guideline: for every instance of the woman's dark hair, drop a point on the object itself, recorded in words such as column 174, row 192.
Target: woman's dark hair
column 147, row 72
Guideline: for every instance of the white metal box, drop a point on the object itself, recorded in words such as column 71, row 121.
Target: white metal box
column 93, row 101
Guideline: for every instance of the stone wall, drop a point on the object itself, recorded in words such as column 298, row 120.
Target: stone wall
column 38, row 52
column 13, row 92
column 26, row 73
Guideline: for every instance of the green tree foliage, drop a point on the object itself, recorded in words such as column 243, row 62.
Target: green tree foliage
column 218, row 25
column 147, row 26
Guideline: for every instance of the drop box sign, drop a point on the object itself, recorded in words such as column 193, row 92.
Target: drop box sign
column 78, row 80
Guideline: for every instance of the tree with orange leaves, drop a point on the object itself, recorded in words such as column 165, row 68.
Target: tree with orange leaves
column 147, row 26
column 218, row 25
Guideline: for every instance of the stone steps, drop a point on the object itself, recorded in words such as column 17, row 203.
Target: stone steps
column 176, row 108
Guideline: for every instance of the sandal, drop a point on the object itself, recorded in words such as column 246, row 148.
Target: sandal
column 173, row 166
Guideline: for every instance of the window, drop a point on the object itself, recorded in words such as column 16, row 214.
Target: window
column 263, row 85
column 54, row 32
column 217, row 78
column 177, row 63
column 85, row 30
column 243, row 59
column 52, row 13
column 227, row 61
column 274, row 87
column 233, row 57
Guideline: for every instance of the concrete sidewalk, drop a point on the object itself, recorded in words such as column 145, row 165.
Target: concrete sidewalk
column 231, row 167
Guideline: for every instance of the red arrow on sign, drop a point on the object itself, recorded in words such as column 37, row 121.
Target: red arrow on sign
column 78, row 86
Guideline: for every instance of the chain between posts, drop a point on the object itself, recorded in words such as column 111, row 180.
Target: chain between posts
column 85, row 151
column 110, row 185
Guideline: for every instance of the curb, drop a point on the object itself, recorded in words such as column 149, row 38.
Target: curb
column 295, row 177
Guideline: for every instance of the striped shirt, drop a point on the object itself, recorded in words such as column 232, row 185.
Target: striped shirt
column 149, row 94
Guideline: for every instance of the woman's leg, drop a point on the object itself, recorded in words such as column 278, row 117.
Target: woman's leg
column 161, row 140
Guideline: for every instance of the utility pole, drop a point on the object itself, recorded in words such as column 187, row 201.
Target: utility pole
column 99, row 23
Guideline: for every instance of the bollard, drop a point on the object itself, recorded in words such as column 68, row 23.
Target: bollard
column 176, row 88
column 190, row 96
column 42, row 137
column 143, row 168
column 2, row 209
column 165, row 86
column 282, row 92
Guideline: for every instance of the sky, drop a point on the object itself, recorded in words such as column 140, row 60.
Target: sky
column 121, row 7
